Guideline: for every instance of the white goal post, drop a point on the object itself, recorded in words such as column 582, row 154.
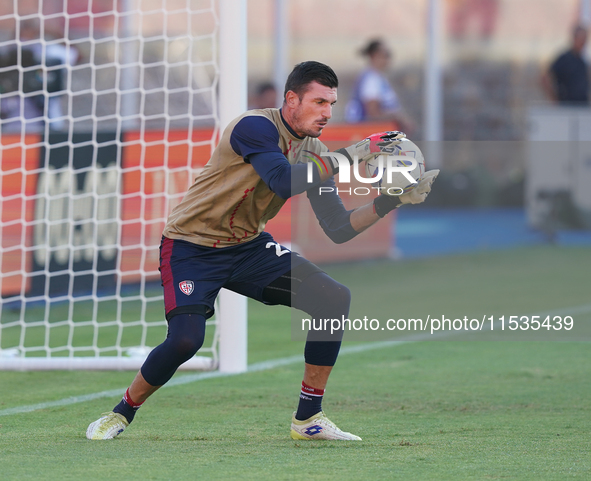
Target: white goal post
column 108, row 111
column 233, row 100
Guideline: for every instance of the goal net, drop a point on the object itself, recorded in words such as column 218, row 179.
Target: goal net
column 108, row 110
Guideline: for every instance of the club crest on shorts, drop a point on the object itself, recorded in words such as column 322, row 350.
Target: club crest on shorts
column 186, row 287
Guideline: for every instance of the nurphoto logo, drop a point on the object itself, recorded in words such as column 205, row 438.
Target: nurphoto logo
column 387, row 166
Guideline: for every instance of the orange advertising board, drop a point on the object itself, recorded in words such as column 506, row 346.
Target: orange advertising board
column 18, row 180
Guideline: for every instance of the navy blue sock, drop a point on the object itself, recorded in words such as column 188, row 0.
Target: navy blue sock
column 127, row 407
column 310, row 402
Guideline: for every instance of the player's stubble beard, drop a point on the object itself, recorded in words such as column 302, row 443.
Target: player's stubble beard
column 299, row 125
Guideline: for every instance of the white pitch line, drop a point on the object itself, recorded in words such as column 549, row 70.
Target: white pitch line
column 189, row 378
column 261, row 366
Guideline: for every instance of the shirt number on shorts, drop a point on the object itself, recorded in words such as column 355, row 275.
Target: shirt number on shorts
column 278, row 249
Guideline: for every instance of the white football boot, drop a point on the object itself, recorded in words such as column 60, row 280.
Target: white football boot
column 319, row 427
column 107, row 426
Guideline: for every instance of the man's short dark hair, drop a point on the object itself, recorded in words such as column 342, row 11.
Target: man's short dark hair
column 372, row 47
column 306, row 72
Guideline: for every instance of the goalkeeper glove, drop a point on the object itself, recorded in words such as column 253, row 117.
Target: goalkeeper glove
column 374, row 144
column 386, row 203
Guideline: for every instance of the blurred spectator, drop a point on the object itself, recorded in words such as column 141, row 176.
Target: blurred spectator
column 29, row 92
column 265, row 97
column 480, row 15
column 20, row 101
column 374, row 98
column 567, row 80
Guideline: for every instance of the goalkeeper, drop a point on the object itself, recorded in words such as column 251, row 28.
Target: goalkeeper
column 215, row 238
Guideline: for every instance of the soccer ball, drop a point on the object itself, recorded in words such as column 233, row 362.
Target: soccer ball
column 396, row 183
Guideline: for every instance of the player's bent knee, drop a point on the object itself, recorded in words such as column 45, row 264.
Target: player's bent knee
column 340, row 293
column 186, row 334
column 187, row 347
column 321, row 296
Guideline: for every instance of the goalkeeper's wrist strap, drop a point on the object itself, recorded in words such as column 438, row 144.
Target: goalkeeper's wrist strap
column 383, row 204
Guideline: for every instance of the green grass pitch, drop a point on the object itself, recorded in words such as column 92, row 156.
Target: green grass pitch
column 445, row 410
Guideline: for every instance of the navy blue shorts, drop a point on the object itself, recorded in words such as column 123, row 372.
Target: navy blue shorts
column 192, row 275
